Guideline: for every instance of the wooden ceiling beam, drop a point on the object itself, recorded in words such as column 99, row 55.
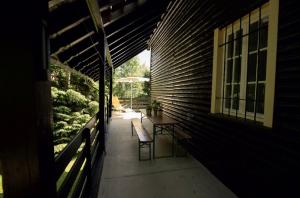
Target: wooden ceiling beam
column 86, row 60
column 130, row 53
column 81, row 52
column 134, row 44
column 89, row 64
column 97, row 19
column 64, row 48
column 138, row 36
column 69, row 27
column 143, row 26
column 128, row 49
column 125, row 59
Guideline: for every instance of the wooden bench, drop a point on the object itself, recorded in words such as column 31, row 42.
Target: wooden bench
column 180, row 136
column 143, row 136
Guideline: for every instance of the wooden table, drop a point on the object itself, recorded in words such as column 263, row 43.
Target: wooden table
column 160, row 121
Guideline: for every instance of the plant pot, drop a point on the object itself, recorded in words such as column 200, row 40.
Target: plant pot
column 155, row 112
column 148, row 111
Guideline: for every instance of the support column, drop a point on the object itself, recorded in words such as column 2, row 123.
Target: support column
column 110, row 92
column 102, row 91
column 26, row 141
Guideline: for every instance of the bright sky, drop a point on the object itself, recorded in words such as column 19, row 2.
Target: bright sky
column 144, row 57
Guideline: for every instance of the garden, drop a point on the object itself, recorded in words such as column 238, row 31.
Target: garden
column 74, row 103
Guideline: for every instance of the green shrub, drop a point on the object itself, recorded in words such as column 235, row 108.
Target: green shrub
column 75, row 99
column 60, row 125
column 54, row 92
column 58, row 148
column 62, row 109
column 75, row 114
column 83, row 119
column 62, row 140
column 93, row 107
column 61, row 117
column 59, row 96
column 76, row 128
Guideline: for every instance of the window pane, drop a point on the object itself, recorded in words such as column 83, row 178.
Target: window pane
column 230, row 46
column 237, row 70
column 228, row 97
column 262, row 65
column 238, row 42
column 250, row 98
column 236, row 96
column 251, row 71
column 260, row 98
column 253, row 37
column 229, row 71
column 264, row 33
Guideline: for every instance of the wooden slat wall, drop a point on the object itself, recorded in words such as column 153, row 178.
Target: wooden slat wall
column 253, row 161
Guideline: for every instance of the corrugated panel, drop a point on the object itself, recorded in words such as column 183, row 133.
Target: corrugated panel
column 248, row 158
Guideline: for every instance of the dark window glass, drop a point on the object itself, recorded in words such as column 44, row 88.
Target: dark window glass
column 228, row 97
column 229, row 71
column 263, row 33
column 253, row 37
column 251, row 70
column 260, row 98
column 236, row 94
column 237, row 69
column 238, row 42
column 230, row 46
column 250, row 98
column 262, row 66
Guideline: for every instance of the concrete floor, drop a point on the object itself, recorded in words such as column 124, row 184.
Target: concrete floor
column 124, row 176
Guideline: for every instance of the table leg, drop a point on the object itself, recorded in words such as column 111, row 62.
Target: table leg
column 154, row 131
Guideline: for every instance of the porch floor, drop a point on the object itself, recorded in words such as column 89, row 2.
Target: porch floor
column 125, row 176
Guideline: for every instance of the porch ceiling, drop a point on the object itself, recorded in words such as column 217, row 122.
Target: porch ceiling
column 128, row 25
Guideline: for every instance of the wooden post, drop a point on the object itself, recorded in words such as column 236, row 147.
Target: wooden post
column 102, row 91
column 26, row 147
column 110, row 92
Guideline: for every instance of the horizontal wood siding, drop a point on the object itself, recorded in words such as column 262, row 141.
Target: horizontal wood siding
column 253, row 161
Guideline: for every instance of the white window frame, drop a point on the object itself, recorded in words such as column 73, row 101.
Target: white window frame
column 270, row 10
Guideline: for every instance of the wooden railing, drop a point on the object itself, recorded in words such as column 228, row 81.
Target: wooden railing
column 78, row 182
column 137, row 103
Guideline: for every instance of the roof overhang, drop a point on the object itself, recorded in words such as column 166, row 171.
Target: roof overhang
column 127, row 25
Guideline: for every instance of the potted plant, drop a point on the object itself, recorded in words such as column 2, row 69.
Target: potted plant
column 148, row 109
column 155, row 106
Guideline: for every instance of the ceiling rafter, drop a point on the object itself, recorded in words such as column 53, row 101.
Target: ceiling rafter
column 141, row 35
column 64, row 48
column 130, row 53
column 85, row 60
column 81, row 52
column 128, row 49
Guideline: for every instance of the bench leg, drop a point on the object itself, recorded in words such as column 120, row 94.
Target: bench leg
column 139, row 150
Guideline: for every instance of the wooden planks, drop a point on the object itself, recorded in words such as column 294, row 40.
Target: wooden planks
column 141, row 131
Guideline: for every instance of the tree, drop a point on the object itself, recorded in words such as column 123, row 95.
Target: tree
column 131, row 68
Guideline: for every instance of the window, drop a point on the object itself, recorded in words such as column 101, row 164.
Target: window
column 244, row 65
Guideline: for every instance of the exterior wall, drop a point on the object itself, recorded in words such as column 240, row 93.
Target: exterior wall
column 252, row 160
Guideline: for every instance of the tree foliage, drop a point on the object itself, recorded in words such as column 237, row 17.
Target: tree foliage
column 74, row 103
column 131, row 68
